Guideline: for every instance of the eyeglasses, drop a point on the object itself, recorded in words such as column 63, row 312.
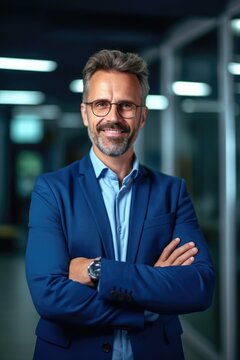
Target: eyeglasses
column 126, row 109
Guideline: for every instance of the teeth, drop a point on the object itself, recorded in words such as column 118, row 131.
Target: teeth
column 113, row 131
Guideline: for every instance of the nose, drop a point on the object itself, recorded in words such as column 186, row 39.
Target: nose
column 113, row 113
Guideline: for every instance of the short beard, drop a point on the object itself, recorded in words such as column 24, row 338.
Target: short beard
column 117, row 149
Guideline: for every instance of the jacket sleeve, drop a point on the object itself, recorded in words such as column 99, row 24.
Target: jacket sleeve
column 54, row 295
column 165, row 290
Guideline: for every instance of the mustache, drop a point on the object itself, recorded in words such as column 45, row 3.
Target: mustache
column 113, row 125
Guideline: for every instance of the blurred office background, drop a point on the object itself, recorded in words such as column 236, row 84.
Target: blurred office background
column 193, row 130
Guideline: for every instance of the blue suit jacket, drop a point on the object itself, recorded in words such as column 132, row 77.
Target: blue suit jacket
column 68, row 219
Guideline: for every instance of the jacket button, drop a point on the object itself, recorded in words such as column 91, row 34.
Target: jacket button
column 106, row 347
column 128, row 298
column 121, row 297
column 114, row 293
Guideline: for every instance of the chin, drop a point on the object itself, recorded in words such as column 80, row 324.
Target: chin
column 113, row 150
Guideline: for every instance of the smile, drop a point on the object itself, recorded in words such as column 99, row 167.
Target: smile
column 114, row 131
column 113, row 128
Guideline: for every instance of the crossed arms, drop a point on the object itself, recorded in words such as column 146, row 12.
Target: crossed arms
column 180, row 281
column 171, row 256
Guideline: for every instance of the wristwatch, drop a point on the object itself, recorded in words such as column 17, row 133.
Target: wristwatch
column 94, row 269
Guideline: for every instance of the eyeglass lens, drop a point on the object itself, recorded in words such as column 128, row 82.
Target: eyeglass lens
column 125, row 109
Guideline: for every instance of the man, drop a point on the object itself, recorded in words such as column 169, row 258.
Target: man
column 114, row 252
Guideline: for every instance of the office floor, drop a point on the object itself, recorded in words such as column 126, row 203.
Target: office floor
column 17, row 314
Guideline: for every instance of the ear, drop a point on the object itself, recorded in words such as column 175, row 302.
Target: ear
column 143, row 116
column 84, row 114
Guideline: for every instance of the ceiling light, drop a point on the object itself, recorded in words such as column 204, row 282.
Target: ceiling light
column 188, row 88
column 235, row 25
column 156, row 102
column 21, row 97
column 76, row 86
column 27, row 64
column 234, row 68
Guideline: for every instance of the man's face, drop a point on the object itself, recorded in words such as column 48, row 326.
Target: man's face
column 113, row 135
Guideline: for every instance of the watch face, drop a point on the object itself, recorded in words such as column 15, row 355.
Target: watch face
column 94, row 270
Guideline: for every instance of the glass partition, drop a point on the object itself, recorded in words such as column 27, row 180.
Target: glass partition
column 196, row 151
column 235, row 71
column 148, row 143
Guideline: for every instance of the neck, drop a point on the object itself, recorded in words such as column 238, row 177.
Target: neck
column 121, row 165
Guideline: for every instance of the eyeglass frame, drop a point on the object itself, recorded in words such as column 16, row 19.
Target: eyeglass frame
column 110, row 107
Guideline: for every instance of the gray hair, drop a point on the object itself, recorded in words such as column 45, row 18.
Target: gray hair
column 117, row 60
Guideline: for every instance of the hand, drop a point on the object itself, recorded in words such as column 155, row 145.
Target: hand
column 78, row 271
column 184, row 255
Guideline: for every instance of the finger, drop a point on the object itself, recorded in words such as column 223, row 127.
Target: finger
column 189, row 261
column 180, row 251
column 186, row 256
column 167, row 251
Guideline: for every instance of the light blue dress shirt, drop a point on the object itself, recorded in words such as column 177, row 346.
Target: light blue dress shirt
column 118, row 203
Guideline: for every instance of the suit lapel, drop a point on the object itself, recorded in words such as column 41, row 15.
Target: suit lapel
column 139, row 205
column 93, row 196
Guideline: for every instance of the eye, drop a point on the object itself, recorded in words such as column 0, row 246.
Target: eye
column 101, row 104
column 125, row 105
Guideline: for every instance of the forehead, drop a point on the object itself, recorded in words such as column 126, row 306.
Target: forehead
column 114, row 83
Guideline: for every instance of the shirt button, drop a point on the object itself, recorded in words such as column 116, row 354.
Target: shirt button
column 106, row 347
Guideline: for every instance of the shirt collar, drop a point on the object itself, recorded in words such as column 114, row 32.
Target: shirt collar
column 101, row 169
